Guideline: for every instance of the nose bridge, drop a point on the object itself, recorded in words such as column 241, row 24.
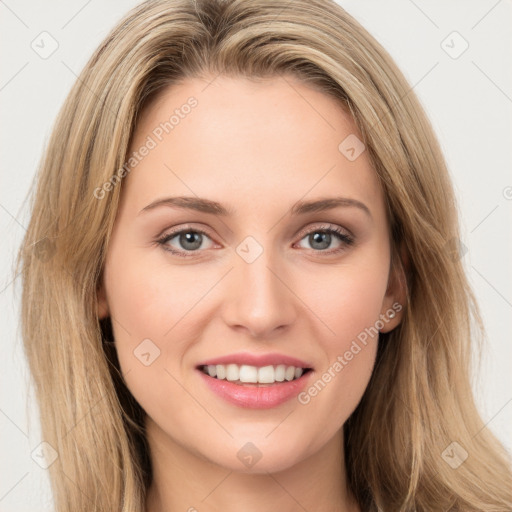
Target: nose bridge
column 258, row 298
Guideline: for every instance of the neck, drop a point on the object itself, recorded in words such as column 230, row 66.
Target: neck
column 185, row 481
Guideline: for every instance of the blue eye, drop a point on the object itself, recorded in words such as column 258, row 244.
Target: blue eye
column 189, row 242
column 320, row 239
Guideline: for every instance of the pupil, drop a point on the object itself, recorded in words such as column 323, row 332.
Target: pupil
column 192, row 238
column 323, row 239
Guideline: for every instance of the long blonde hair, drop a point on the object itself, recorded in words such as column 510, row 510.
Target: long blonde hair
column 419, row 400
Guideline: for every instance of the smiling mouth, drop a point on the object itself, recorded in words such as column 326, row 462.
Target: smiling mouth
column 244, row 375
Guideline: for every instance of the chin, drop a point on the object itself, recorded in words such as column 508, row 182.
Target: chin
column 253, row 457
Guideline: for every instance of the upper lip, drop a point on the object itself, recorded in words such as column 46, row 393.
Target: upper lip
column 257, row 360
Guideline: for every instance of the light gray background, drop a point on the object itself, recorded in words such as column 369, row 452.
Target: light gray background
column 468, row 99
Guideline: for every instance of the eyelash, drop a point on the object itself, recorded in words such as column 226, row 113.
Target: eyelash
column 341, row 235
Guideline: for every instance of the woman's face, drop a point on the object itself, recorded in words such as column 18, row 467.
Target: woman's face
column 279, row 255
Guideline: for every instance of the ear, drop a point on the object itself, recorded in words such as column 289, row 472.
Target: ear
column 103, row 310
column 395, row 299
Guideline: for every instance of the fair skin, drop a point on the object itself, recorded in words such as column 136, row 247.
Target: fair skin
column 257, row 149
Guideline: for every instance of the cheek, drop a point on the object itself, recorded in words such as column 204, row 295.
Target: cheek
column 150, row 297
column 348, row 300
column 348, row 303
column 156, row 301
column 339, row 384
column 147, row 304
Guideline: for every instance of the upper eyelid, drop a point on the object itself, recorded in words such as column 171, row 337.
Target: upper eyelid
column 172, row 233
column 303, row 232
column 326, row 226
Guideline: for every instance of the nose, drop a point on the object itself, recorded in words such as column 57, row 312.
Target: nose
column 260, row 298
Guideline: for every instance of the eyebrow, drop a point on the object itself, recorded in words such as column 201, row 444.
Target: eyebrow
column 215, row 208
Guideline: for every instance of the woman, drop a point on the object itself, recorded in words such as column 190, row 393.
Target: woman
column 241, row 282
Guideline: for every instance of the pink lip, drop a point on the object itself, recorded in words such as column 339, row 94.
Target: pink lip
column 253, row 396
column 257, row 360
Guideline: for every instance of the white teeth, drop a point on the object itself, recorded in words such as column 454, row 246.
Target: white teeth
column 280, row 370
column 253, row 374
column 221, row 371
column 290, row 373
column 266, row 375
column 248, row 373
column 232, row 372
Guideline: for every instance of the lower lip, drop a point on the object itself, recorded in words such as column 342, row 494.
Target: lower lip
column 254, row 397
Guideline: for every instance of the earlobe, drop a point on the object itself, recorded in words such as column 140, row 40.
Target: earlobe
column 102, row 309
column 391, row 316
column 393, row 306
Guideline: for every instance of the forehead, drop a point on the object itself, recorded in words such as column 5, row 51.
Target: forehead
column 248, row 144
